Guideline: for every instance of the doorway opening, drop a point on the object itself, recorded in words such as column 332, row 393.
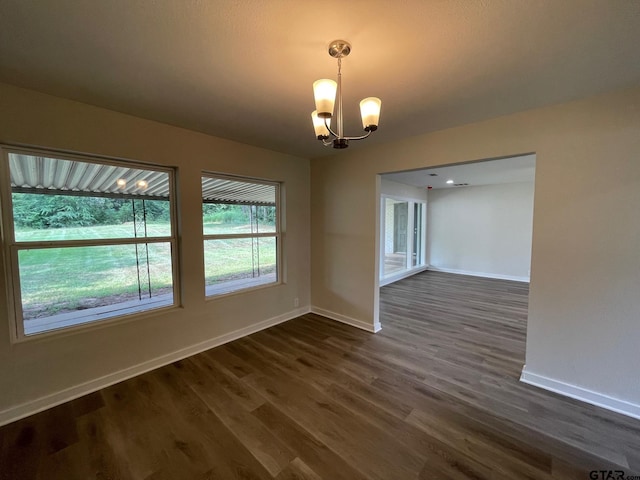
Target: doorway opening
column 471, row 219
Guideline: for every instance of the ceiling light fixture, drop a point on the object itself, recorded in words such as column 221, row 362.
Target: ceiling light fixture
column 449, row 182
column 325, row 90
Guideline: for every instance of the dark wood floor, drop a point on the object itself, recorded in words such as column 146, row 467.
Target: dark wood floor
column 434, row 395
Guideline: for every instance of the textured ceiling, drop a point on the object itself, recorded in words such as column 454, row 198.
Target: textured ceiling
column 488, row 172
column 243, row 69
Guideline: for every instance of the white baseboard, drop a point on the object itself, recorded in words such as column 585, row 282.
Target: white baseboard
column 34, row 406
column 582, row 394
column 480, row 274
column 347, row 320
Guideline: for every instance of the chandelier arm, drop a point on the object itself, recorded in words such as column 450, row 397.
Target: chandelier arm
column 329, row 128
column 358, row 138
column 362, row 137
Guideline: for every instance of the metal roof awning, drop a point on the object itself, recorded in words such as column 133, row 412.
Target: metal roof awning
column 223, row 190
column 53, row 176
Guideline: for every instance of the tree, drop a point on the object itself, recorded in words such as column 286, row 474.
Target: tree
column 41, row 211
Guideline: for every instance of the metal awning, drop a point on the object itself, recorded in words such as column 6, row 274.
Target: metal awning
column 223, row 190
column 53, row 176
column 34, row 174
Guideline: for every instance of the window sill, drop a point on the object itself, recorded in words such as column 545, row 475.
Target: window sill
column 91, row 317
column 240, row 286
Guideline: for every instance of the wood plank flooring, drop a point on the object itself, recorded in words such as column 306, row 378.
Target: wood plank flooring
column 434, row 395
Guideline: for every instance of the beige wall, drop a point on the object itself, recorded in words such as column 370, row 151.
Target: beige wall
column 584, row 313
column 43, row 367
column 483, row 230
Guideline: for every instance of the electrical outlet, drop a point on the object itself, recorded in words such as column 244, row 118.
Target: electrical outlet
column 296, row 302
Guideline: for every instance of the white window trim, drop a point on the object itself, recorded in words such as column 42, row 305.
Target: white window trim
column 12, row 247
column 277, row 234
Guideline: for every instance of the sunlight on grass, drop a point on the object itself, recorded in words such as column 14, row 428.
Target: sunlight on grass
column 63, row 279
column 124, row 230
column 232, row 259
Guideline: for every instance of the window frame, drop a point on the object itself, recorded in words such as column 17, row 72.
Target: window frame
column 277, row 235
column 409, row 269
column 11, row 247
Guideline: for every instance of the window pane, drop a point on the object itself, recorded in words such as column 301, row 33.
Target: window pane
column 64, row 217
column 226, row 219
column 61, row 287
column 243, row 208
column 55, row 199
column 395, row 236
column 268, row 255
column 238, row 263
column 220, row 219
column 265, row 219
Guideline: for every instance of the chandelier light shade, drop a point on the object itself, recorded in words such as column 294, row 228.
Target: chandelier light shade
column 327, row 93
column 324, row 91
column 322, row 132
column 370, row 112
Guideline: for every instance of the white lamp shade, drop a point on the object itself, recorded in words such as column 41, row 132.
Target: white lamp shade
column 319, row 126
column 370, row 112
column 324, row 91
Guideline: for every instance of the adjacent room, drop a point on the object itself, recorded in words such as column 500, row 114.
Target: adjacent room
column 241, row 244
column 473, row 219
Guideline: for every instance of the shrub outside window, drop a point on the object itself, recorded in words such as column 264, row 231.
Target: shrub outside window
column 241, row 228
column 87, row 239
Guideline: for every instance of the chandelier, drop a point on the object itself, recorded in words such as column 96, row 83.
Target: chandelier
column 324, row 91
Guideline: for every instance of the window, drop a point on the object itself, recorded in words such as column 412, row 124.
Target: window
column 241, row 229
column 403, row 236
column 88, row 239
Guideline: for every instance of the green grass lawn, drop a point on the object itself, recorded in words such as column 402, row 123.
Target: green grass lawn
column 56, row 280
column 124, row 230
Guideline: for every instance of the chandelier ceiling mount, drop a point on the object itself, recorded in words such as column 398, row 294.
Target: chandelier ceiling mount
column 339, row 48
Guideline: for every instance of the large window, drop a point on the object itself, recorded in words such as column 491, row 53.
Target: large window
column 403, row 236
column 241, row 233
column 88, row 239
